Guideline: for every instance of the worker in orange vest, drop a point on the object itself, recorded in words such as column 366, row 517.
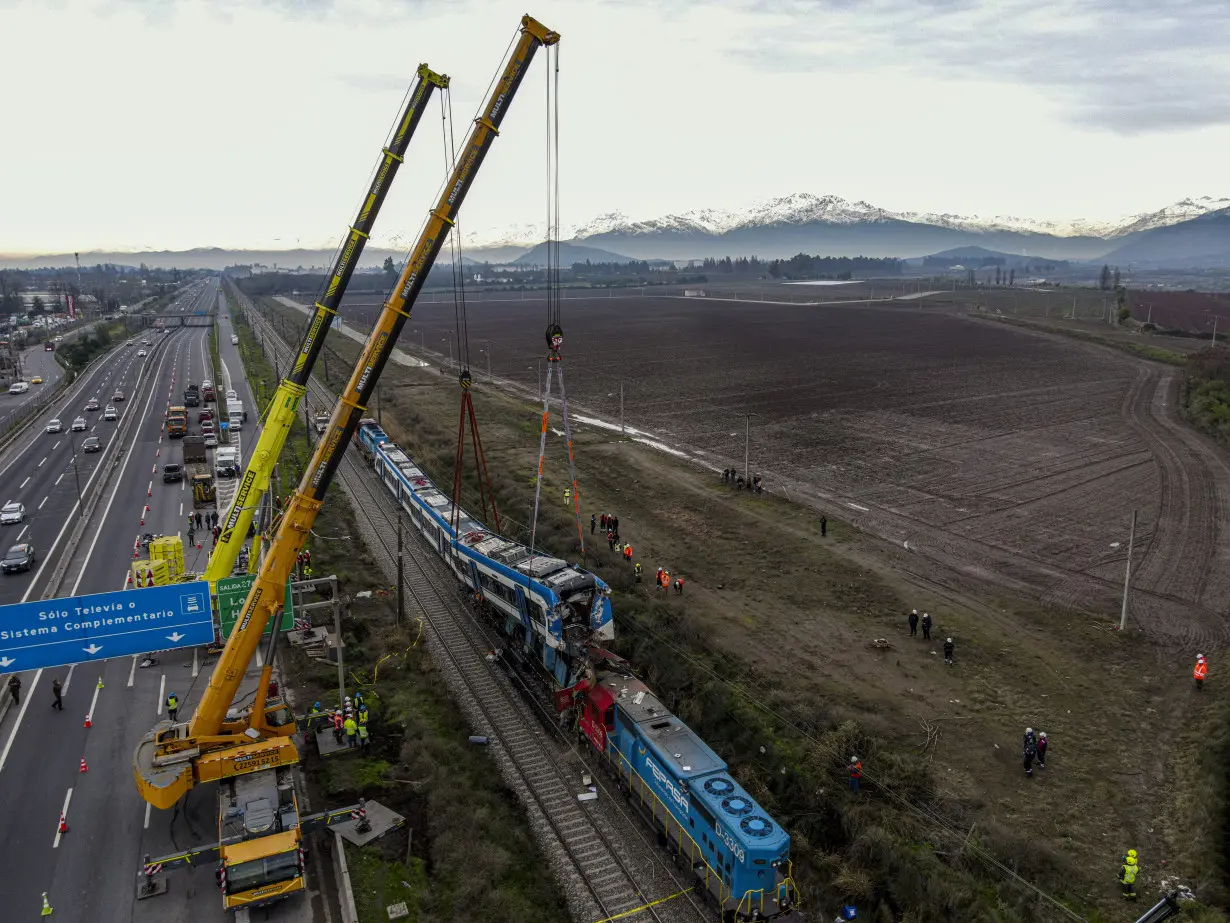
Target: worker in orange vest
column 1201, row 671
column 666, row 579
column 628, row 552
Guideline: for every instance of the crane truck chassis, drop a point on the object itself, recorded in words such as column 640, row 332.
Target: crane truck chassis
column 213, row 746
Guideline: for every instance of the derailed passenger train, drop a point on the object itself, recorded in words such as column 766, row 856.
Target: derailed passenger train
column 737, row 853
column 553, row 608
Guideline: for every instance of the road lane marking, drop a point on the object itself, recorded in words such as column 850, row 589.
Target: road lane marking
column 94, row 701
column 106, row 512
column 60, row 478
column 40, row 464
column 196, row 661
column 40, row 506
column 64, row 814
column 147, row 807
column 855, row 506
column 68, row 679
column 132, row 671
column 56, row 446
column 162, row 693
column 4, row 756
column 22, row 532
column 24, row 483
column 181, row 509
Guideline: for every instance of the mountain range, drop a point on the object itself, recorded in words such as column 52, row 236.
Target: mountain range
column 1192, row 233
column 832, row 226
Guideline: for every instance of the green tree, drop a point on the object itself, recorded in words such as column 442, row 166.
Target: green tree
column 390, row 271
column 1104, row 279
column 37, row 306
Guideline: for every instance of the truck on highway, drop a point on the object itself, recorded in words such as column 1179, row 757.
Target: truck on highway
column 234, row 414
column 177, row 421
column 192, row 396
column 322, row 423
column 199, row 473
column 226, row 461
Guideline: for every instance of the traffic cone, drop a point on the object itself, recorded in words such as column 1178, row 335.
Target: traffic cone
column 46, row 906
column 157, row 452
column 63, row 823
column 135, row 554
column 89, row 721
column 84, row 767
column 142, row 520
column 100, row 683
column 130, row 578
column 149, row 492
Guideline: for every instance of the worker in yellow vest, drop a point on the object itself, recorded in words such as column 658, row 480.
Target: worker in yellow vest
column 1127, row 875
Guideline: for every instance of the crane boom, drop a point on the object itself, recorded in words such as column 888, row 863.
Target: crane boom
column 284, row 406
column 170, row 759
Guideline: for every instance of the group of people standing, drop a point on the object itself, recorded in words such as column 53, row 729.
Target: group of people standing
column 732, row 476
column 1035, row 749
column 925, row 621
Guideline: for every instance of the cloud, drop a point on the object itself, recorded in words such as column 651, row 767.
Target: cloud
column 1126, row 66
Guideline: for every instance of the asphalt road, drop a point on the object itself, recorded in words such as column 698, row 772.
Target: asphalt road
column 35, row 361
column 90, row 872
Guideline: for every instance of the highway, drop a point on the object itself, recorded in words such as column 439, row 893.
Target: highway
column 35, row 362
column 90, row 872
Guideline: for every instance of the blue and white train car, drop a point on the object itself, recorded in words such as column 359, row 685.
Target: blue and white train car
column 739, row 855
column 552, row 608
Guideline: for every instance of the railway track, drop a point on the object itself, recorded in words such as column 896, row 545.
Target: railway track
column 530, row 743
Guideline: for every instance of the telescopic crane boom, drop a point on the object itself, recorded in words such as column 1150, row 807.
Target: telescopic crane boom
column 285, row 404
column 172, row 759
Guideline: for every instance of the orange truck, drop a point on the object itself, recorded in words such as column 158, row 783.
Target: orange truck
column 177, row 421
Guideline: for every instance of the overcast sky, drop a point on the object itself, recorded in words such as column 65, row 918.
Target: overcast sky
column 166, row 125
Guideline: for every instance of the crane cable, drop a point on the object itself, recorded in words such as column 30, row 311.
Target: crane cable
column 462, row 335
column 555, row 333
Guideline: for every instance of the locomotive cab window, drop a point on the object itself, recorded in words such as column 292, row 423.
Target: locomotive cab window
column 608, row 718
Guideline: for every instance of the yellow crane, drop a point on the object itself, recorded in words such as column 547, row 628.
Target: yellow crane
column 252, row 755
column 285, row 403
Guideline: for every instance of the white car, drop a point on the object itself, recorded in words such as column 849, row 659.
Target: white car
column 140, row 354
column 231, row 394
column 234, row 339
column 79, row 425
column 211, row 441
column 55, row 426
column 111, row 413
column 207, row 383
column 19, row 387
column 12, row 513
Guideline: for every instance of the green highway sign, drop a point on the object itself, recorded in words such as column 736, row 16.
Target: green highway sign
column 233, row 592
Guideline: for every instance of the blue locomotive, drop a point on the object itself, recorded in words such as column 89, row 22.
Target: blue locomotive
column 738, row 855
column 551, row 608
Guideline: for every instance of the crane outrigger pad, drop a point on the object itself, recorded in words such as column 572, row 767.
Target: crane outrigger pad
column 380, row 820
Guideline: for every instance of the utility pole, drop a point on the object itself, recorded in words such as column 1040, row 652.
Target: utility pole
column 1216, row 318
column 401, row 600
column 1127, row 574
column 622, row 431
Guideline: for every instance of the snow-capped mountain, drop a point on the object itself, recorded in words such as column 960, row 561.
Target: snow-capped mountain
column 830, row 224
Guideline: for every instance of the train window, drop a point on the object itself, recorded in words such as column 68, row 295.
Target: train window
column 660, row 725
column 608, row 718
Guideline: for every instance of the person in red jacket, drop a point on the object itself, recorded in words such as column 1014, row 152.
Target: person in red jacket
column 856, row 773
column 1201, row 671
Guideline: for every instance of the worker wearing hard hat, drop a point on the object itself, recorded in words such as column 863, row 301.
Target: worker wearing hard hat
column 1127, row 875
column 1201, row 671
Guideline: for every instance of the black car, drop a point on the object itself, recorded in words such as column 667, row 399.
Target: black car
column 172, row 472
column 91, row 444
column 19, row 557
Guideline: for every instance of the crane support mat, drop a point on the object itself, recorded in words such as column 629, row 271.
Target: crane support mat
column 327, row 744
column 381, row 818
